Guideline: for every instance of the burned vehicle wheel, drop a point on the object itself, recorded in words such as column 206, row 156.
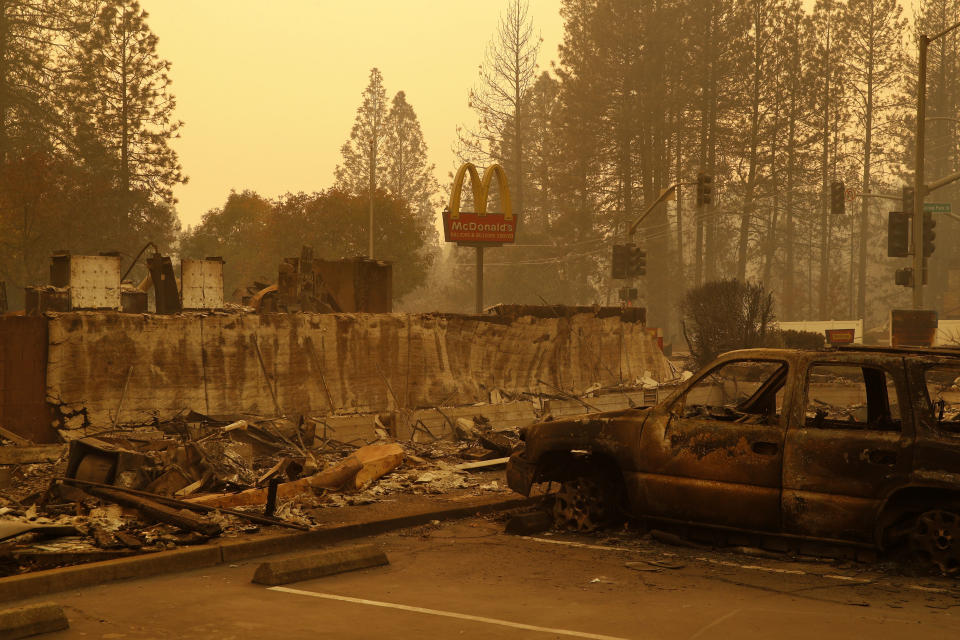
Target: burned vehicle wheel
column 936, row 540
column 586, row 503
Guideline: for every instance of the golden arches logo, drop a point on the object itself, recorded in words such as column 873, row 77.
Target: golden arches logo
column 481, row 189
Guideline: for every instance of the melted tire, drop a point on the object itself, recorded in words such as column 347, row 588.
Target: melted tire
column 585, row 504
column 935, row 540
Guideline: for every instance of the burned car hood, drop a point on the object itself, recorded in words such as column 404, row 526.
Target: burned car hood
column 608, row 432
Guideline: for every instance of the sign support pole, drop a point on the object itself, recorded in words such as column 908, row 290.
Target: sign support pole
column 479, row 279
column 919, row 187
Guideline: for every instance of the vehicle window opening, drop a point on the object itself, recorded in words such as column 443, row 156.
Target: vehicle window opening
column 851, row 397
column 744, row 391
column 943, row 391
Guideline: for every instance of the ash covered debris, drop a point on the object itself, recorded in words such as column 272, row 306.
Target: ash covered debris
column 196, row 478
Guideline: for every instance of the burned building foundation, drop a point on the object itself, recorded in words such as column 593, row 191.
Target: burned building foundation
column 66, row 375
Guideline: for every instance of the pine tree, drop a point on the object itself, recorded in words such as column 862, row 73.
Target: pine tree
column 362, row 171
column 875, row 66
column 758, row 71
column 828, row 63
column 409, row 175
column 31, row 32
column 124, row 105
column 38, row 183
column 795, row 138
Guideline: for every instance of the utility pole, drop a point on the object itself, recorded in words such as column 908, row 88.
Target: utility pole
column 370, row 248
column 920, row 188
column 918, row 185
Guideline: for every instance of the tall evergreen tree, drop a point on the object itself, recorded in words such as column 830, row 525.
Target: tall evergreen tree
column 409, row 174
column 363, row 158
column 123, row 101
column 874, row 34
column 828, row 62
column 758, row 73
column 362, row 170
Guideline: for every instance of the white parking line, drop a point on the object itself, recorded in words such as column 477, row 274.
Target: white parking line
column 725, row 563
column 581, row 545
column 753, row 567
column 446, row 614
column 920, row 587
column 833, row 576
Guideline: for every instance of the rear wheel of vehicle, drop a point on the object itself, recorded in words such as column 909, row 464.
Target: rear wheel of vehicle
column 935, row 539
column 585, row 504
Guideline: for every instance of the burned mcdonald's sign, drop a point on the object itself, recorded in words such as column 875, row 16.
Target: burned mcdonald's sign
column 480, row 227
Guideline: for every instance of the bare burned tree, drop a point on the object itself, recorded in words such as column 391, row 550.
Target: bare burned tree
column 506, row 76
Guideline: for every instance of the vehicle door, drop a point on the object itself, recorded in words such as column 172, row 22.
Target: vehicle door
column 849, row 448
column 714, row 454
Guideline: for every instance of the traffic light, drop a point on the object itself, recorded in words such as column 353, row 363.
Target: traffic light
column 837, row 197
column 903, row 277
column 621, row 257
column 898, row 235
column 929, row 235
column 637, row 262
column 908, row 200
column 704, row 189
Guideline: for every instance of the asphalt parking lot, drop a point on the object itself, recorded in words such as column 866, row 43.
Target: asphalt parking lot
column 467, row 579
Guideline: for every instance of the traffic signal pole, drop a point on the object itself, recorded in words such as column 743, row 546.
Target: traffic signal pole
column 920, row 188
column 663, row 196
column 918, row 185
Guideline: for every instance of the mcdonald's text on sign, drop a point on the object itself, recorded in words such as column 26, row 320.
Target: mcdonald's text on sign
column 480, row 227
column 476, row 228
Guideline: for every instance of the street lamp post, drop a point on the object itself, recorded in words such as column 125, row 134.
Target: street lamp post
column 920, row 188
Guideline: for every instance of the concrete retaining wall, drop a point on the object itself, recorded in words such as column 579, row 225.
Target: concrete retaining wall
column 106, row 369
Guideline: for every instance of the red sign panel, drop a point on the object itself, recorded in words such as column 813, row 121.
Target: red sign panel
column 840, row 336
column 473, row 228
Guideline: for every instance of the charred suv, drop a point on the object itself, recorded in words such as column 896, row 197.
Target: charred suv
column 859, row 446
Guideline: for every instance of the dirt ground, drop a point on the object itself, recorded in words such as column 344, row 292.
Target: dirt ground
column 467, row 579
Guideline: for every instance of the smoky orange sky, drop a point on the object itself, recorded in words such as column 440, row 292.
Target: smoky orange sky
column 268, row 90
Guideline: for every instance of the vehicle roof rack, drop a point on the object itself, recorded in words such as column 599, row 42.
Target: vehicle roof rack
column 924, row 351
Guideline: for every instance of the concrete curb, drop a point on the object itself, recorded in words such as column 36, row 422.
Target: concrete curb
column 22, row 622
column 319, row 564
column 39, row 583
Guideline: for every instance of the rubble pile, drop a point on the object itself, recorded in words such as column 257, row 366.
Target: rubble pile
column 198, row 477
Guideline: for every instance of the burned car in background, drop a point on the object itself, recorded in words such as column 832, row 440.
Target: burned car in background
column 857, row 446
